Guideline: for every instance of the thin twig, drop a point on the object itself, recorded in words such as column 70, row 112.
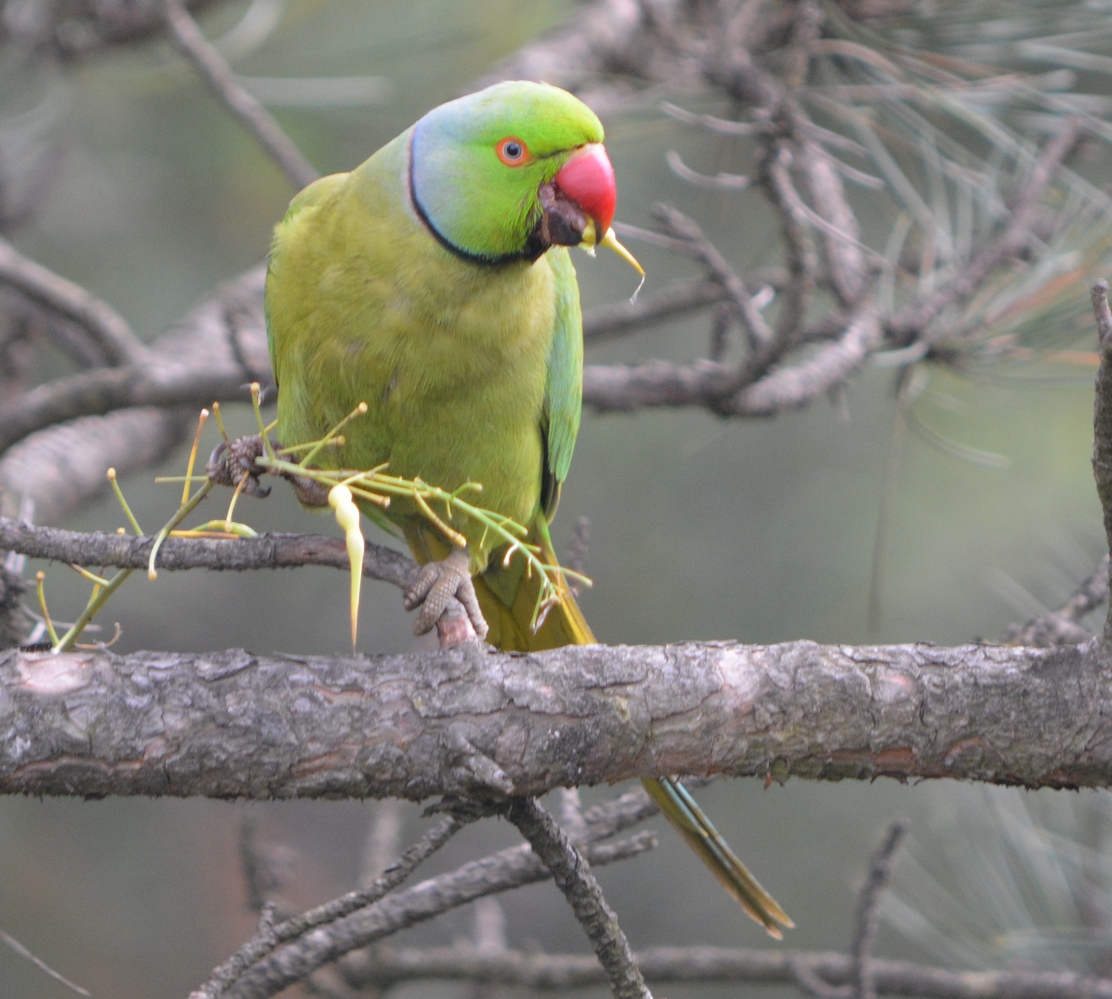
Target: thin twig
column 474, row 880
column 681, row 227
column 219, row 76
column 1062, row 626
column 712, row 123
column 811, row 983
column 389, row 966
column 720, row 181
column 573, row 877
column 257, row 878
column 802, row 257
column 880, row 871
column 716, row 386
column 1102, row 417
column 912, row 322
column 503, row 871
column 272, row 937
column 845, row 253
column 267, row 551
column 807, row 24
column 40, row 964
column 382, row 841
column 675, row 299
column 794, row 386
column 612, row 817
column 571, row 815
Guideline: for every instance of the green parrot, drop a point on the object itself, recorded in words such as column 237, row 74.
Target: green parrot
column 433, row 283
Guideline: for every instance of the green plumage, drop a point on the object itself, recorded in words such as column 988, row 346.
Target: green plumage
column 472, row 370
column 433, row 283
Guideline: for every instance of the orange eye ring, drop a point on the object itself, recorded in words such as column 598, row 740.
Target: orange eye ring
column 512, row 151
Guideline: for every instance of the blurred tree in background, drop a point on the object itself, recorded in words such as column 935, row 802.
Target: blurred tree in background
column 887, row 213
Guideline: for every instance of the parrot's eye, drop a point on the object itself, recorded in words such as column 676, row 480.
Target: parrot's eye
column 512, row 151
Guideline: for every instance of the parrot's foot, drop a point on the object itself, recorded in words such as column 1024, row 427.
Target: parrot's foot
column 234, row 462
column 433, row 589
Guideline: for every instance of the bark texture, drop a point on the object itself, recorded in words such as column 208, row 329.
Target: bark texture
column 477, row 722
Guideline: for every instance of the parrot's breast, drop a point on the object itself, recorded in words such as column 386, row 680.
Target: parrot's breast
column 450, row 356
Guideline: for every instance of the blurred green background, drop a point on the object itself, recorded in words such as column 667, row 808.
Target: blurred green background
column 760, row 531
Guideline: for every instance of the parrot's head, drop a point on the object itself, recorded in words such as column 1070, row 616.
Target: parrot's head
column 507, row 172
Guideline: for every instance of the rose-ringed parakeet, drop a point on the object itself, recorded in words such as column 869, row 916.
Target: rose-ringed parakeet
column 433, row 283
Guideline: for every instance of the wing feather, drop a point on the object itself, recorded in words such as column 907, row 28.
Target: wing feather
column 563, row 391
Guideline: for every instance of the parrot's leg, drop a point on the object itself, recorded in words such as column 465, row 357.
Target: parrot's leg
column 310, row 493
column 436, row 584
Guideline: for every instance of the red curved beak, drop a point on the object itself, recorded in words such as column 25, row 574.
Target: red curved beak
column 588, row 180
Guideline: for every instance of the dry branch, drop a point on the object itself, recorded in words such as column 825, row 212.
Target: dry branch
column 868, row 919
column 1102, row 418
column 475, row 722
column 662, row 965
column 503, row 871
column 572, row 874
column 272, row 936
column 267, row 551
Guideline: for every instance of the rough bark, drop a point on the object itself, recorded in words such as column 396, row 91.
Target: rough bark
column 473, row 721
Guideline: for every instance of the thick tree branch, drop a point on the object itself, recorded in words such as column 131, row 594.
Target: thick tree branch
column 472, row 721
column 478, row 723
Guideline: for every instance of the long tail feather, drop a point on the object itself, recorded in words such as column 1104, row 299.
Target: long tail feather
column 691, row 822
column 508, row 611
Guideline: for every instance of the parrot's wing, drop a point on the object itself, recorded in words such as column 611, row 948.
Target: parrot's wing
column 563, row 390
